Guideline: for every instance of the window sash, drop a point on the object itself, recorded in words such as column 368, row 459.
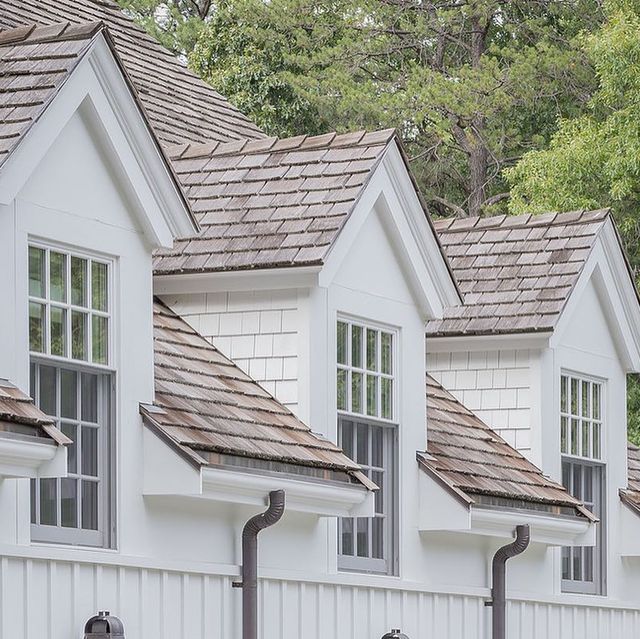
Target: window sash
column 373, row 446
column 97, row 472
column 581, row 417
column 583, row 567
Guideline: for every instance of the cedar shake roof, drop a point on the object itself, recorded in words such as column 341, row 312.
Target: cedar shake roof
column 515, row 273
column 19, row 415
column 178, row 103
column 631, row 495
column 270, row 202
column 210, row 410
column 34, row 64
column 475, row 462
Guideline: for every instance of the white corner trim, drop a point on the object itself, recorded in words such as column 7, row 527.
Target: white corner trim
column 23, row 458
column 315, row 497
column 551, row 530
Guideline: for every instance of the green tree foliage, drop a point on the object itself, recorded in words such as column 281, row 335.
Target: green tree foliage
column 471, row 84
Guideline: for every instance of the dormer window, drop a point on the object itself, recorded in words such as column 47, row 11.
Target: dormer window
column 583, row 475
column 70, row 341
column 367, row 431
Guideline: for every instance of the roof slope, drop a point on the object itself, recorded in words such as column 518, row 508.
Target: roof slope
column 631, row 495
column 19, row 415
column 270, row 202
column 34, row 64
column 179, row 105
column 515, row 273
column 469, row 457
column 206, row 406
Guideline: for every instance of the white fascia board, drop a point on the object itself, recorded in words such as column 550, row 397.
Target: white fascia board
column 293, row 277
column 473, row 343
column 98, row 86
column 166, row 473
column 22, row 458
column 392, row 194
column 606, row 267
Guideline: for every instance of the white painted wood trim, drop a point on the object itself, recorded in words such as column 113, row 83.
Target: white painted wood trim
column 23, row 458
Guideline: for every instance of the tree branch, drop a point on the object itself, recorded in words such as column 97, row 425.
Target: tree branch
column 457, row 210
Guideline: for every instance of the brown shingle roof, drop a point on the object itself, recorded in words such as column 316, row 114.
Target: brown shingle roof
column 631, row 495
column 464, row 453
column 19, row 415
column 180, row 105
column 270, row 202
column 207, row 407
column 515, row 273
column 34, row 64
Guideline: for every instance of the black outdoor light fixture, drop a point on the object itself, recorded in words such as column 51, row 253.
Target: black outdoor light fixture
column 395, row 634
column 104, row 626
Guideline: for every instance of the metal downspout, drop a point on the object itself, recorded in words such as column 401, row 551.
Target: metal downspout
column 249, row 582
column 498, row 573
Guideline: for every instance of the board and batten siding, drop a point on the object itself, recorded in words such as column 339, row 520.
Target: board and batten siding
column 52, row 599
column 495, row 385
column 258, row 330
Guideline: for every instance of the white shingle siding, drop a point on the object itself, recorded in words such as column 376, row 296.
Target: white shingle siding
column 258, row 330
column 495, row 385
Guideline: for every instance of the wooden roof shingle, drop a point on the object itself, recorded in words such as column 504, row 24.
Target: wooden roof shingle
column 515, row 273
column 631, row 495
column 180, row 106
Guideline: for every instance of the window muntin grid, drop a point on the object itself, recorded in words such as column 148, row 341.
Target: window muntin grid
column 580, row 417
column 74, row 509
column 365, row 370
column 69, row 305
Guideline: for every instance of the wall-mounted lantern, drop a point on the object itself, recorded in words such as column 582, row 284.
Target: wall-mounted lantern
column 395, row 634
column 104, row 626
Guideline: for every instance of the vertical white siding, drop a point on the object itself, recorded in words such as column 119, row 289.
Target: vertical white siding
column 51, row 599
column 257, row 329
column 495, row 385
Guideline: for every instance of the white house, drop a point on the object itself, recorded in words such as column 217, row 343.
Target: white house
column 417, row 390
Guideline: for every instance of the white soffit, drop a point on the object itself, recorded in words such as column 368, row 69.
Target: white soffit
column 98, row 86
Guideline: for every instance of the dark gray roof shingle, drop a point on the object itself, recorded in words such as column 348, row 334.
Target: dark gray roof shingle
column 470, row 458
column 180, row 106
column 515, row 273
column 270, row 202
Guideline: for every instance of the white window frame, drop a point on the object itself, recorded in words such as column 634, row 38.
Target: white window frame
column 389, row 564
column 105, row 535
column 588, row 459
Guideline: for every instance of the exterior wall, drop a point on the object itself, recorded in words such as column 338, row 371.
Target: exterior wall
column 495, row 384
column 257, row 329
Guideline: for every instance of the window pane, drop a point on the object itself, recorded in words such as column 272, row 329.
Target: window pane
column 574, row 396
column 566, row 560
column 57, row 277
column 564, row 394
column 48, row 390
column 596, row 401
column 78, row 281
column 575, row 437
column 89, row 451
column 588, row 563
column 79, row 335
column 36, row 272
column 386, row 363
column 58, row 331
column 99, row 291
column 69, row 394
column 90, row 505
column 377, row 537
column 34, row 502
column 36, row 327
column 372, row 395
column 362, row 444
column 69, row 502
column 588, row 484
column 48, row 502
column 586, row 439
column 356, row 392
column 70, row 430
column 585, row 399
column 347, row 536
column 386, row 398
column 377, row 477
column 89, row 397
column 99, row 339
column 372, row 349
column 362, row 536
column 577, row 563
column 356, row 346
column 564, row 447
column 346, row 438
column 377, row 443
column 341, row 384
column 596, row 441
column 342, row 343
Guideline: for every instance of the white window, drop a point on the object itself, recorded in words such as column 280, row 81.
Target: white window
column 69, row 342
column 583, row 475
column 367, row 433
